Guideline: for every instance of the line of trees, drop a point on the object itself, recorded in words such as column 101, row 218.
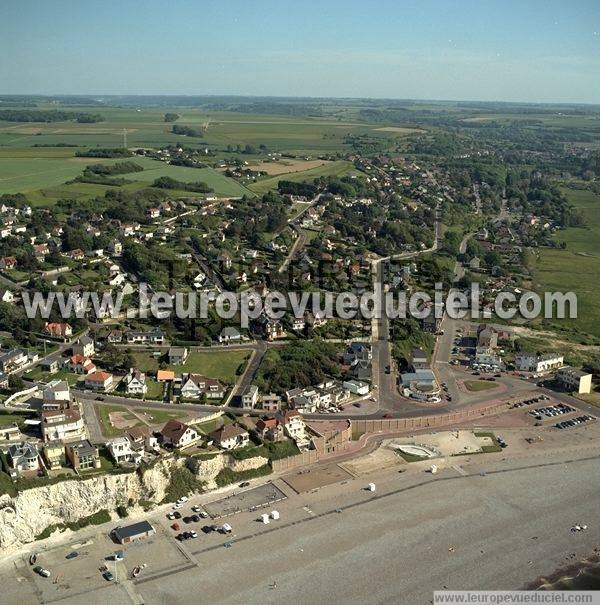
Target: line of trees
column 166, row 182
column 41, row 115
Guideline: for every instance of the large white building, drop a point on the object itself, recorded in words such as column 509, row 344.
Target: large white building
column 575, row 380
column 526, row 362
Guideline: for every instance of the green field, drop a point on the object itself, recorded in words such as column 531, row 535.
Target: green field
column 479, row 385
column 48, row 175
column 576, row 268
column 219, row 364
column 338, row 168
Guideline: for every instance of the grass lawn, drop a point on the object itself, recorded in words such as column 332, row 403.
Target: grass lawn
column 160, row 416
column 489, row 449
column 38, row 374
column 565, row 270
column 108, row 429
column 410, row 457
column 218, row 364
column 479, row 385
column 7, row 418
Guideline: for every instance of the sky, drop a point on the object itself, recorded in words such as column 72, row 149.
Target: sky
column 508, row 50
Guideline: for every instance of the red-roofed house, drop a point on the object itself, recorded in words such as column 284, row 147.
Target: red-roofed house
column 58, row 330
column 99, row 381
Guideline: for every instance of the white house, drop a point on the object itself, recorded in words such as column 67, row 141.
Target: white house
column 230, row 437
column 527, row 362
column 84, row 346
column 178, row 434
column 23, row 456
column 135, row 383
column 358, row 387
column 120, row 450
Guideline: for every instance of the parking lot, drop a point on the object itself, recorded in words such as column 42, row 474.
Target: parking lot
column 249, row 499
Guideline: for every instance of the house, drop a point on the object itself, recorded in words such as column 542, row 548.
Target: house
column 270, row 402
column 357, row 387
column 77, row 254
column 165, row 376
column 487, row 357
column 178, row 435
column 130, row 533
column 141, row 437
column 475, row 263
column 487, row 336
column 153, row 212
column 361, row 370
column 357, row 351
column 135, row 383
column 56, row 395
column 99, row 381
column 23, row 457
column 155, row 337
column 3, row 381
column 54, row 454
column 84, row 346
column 298, row 324
column 250, row 397
column 527, row 362
column 6, row 296
column 270, row 429
column 418, row 359
column 574, row 380
column 65, row 424
column 121, row 451
column 58, row 330
column 293, row 424
column 13, row 360
column 10, row 432
column 8, row 262
column 196, row 385
column 51, row 364
column 115, row 336
column 78, row 364
column 82, row 455
column 178, row 355
column 115, row 248
column 230, row 437
column 229, row 334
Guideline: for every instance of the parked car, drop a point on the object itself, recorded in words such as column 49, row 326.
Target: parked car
column 41, row 571
column 108, row 576
column 72, row 555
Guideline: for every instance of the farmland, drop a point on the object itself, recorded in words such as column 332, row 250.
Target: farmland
column 38, row 158
column 574, row 269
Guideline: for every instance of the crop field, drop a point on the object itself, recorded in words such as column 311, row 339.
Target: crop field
column 337, row 168
column 32, row 163
column 576, row 268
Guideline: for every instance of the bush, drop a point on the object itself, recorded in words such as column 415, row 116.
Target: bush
column 122, row 511
column 99, row 517
column 228, row 476
column 182, row 483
